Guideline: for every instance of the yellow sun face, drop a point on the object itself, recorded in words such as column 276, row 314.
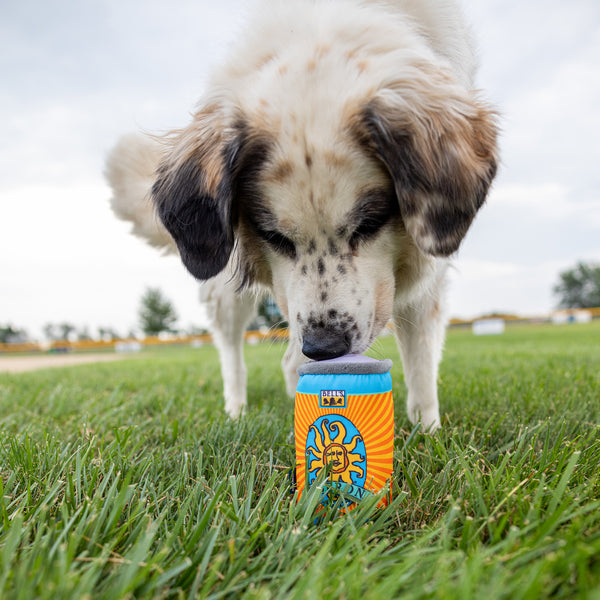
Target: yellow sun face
column 335, row 442
column 336, row 455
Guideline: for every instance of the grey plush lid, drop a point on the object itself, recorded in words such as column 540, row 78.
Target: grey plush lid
column 350, row 364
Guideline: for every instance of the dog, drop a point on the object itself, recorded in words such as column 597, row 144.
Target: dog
column 337, row 159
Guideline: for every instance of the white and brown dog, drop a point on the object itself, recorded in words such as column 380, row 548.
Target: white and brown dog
column 338, row 160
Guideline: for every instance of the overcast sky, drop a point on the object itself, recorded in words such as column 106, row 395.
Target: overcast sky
column 74, row 75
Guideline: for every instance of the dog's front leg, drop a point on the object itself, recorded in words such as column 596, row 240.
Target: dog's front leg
column 420, row 333
column 229, row 313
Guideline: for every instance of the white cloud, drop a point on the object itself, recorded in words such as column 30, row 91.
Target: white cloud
column 76, row 75
column 473, row 270
column 549, row 200
column 479, row 286
column 67, row 258
column 550, row 196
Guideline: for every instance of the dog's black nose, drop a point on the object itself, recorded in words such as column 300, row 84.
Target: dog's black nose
column 323, row 344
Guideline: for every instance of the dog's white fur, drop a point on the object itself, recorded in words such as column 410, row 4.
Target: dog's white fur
column 337, row 159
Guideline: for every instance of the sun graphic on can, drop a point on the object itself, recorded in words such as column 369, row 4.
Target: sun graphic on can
column 334, row 442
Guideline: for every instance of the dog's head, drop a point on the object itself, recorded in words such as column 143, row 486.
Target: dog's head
column 335, row 212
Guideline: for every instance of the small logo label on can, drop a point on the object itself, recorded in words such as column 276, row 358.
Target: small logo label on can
column 332, row 399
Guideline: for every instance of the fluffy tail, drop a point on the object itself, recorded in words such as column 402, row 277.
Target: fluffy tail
column 130, row 170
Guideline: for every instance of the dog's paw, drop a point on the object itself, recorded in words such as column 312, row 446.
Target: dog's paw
column 429, row 419
column 234, row 408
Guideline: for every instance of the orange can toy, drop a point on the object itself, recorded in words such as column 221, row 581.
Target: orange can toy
column 344, row 423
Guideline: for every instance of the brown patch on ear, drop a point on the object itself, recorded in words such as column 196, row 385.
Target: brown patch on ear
column 281, row 171
column 440, row 151
column 202, row 143
column 198, row 184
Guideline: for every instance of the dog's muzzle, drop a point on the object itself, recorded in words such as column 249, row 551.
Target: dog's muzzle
column 325, row 343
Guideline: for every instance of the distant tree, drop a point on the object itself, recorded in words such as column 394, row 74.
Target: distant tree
column 270, row 311
column 268, row 315
column 108, row 333
column 156, row 313
column 51, row 332
column 579, row 287
column 66, row 329
column 196, row 330
column 12, row 335
column 62, row 331
column 83, row 334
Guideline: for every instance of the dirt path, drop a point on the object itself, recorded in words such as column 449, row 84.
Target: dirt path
column 19, row 364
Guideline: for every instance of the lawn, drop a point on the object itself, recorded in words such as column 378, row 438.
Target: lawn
column 125, row 480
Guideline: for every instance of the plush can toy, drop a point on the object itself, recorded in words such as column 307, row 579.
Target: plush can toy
column 344, row 425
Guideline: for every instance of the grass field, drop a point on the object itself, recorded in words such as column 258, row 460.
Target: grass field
column 125, row 480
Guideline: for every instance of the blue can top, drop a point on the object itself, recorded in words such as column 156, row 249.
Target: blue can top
column 353, row 373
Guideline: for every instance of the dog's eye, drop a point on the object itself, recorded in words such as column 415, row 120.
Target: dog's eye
column 373, row 211
column 368, row 228
column 279, row 243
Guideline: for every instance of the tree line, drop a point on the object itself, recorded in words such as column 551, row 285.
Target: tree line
column 156, row 315
column 577, row 287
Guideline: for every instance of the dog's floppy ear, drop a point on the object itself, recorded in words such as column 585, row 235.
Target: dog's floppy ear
column 439, row 146
column 195, row 189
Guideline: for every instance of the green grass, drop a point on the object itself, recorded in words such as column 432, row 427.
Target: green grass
column 125, row 480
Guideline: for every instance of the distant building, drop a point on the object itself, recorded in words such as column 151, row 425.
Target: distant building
column 488, row 327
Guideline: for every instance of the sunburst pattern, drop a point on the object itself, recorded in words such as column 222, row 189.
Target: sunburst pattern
column 371, row 414
column 335, row 442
